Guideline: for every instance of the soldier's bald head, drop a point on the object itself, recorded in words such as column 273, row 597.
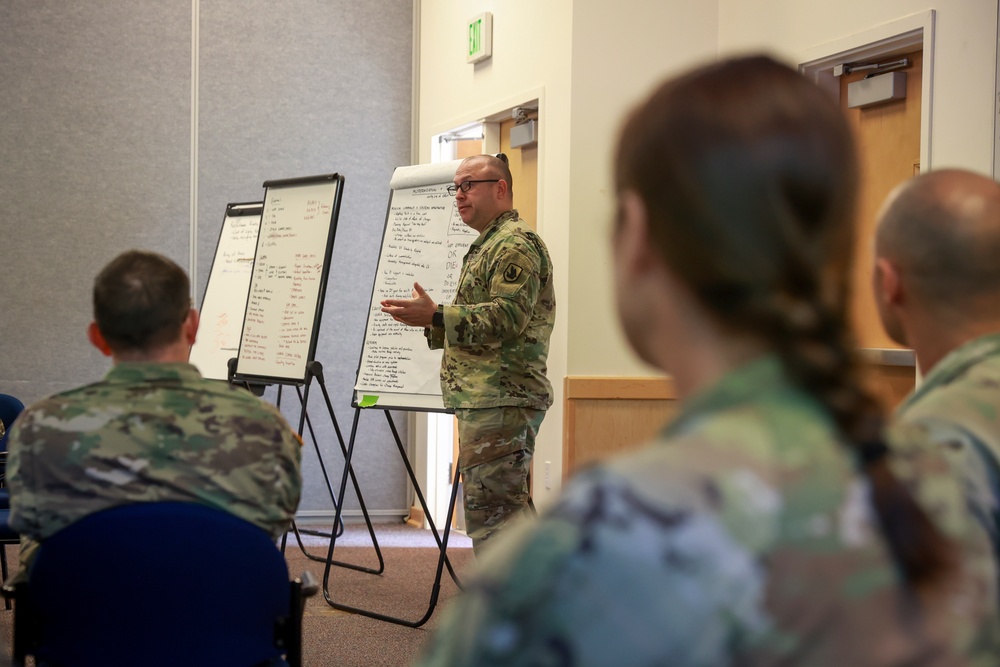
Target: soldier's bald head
column 941, row 230
column 492, row 167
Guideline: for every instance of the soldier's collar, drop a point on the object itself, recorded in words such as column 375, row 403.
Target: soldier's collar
column 748, row 383
column 954, row 364
column 131, row 371
column 495, row 225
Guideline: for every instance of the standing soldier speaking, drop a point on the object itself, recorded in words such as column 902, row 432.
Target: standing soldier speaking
column 495, row 337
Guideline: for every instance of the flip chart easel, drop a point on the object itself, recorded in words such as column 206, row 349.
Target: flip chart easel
column 225, row 298
column 288, row 283
column 284, row 295
column 424, row 241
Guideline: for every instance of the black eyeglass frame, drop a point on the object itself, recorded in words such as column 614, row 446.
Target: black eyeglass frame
column 465, row 186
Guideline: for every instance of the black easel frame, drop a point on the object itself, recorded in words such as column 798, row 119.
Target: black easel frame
column 314, row 369
column 442, row 542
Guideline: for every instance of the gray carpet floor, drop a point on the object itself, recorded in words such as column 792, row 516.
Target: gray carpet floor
column 334, row 637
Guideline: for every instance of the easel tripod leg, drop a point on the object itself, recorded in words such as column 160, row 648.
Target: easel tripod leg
column 441, row 541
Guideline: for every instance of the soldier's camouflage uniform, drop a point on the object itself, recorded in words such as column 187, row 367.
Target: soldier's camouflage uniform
column 742, row 535
column 150, row 432
column 958, row 406
column 496, row 342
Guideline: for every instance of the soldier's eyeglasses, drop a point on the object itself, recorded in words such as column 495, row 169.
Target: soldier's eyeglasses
column 465, row 186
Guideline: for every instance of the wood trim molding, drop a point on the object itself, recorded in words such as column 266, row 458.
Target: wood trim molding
column 626, row 388
column 416, row 517
column 584, row 393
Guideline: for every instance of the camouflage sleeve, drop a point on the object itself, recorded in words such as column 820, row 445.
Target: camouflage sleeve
column 513, row 287
column 25, row 555
column 20, row 478
column 957, row 490
column 292, row 475
column 277, row 515
column 929, row 455
column 435, row 337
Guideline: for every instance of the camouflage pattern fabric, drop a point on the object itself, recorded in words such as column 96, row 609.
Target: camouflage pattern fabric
column 496, row 343
column 496, row 333
column 958, row 406
column 149, row 433
column 742, row 535
column 495, row 450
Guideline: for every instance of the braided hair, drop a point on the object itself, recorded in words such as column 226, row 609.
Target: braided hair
column 748, row 174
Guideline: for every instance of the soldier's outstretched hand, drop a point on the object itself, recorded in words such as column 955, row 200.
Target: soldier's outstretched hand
column 416, row 312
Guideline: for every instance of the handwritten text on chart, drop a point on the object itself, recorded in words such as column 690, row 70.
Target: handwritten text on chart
column 222, row 309
column 287, row 280
column 425, row 241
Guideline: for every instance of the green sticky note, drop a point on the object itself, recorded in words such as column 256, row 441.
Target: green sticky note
column 368, row 401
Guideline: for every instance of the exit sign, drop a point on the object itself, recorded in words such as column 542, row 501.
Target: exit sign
column 480, row 38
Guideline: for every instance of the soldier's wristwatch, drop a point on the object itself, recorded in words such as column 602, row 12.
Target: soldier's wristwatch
column 437, row 319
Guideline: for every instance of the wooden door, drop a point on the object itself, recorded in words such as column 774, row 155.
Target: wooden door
column 888, row 137
column 468, row 147
column 523, row 163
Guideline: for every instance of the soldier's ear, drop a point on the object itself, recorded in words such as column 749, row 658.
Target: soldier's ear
column 887, row 282
column 97, row 339
column 190, row 327
column 634, row 250
column 502, row 188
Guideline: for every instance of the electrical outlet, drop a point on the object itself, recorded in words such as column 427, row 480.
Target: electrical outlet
column 548, row 474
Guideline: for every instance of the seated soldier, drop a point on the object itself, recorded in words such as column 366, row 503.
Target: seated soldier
column 937, row 287
column 153, row 429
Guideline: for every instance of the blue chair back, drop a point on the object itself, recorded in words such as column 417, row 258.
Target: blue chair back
column 158, row 584
column 10, row 408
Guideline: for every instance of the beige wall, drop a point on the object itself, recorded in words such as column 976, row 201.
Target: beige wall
column 964, row 57
column 607, row 80
column 590, row 61
column 531, row 58
column 620, row 51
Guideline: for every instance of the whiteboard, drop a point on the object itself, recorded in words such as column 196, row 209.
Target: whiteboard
column 225, row 298
column 291, row 265
column 424, row 241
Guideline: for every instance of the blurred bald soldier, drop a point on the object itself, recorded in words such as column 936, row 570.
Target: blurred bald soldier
column 153, row 429
column 495, row 337
column 937, row 287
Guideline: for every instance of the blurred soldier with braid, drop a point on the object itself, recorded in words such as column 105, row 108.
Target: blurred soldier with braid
column 153, row 429
column 769, row 523
column 937, row 287
column 495, row 337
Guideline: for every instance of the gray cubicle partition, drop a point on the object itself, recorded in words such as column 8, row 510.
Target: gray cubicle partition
column 133, row 123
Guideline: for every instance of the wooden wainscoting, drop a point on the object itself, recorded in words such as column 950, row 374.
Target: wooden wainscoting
column 604, row 416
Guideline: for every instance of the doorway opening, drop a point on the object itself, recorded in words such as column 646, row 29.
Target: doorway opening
column 491, row 133
column 893, row 139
